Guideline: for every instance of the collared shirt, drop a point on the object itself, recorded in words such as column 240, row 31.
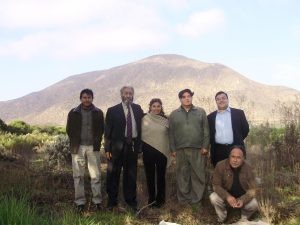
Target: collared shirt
column 224, row 133
column 134, row 128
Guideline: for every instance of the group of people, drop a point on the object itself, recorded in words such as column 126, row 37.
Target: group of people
column 187, row 135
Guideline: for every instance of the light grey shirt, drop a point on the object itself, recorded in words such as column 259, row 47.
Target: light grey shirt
column 224, row 133
column 86, row 128
column 134, row 128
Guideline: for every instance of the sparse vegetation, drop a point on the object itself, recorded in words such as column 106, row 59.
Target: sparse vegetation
column 36, row 167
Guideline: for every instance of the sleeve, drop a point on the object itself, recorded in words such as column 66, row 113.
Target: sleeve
column 101, row 125
column 108, row 131
column 217, row 183
column 68, row 128
column 251, row 192
column 171, row 134
column 206, row 135
column 245, row 125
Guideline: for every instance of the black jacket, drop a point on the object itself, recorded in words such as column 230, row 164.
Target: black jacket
column 240, row 128
column 115, row 124
column 74, row 128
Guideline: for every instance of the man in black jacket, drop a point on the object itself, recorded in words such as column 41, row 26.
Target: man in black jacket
column 122, row 144
column 228, row 126
column 85, row 127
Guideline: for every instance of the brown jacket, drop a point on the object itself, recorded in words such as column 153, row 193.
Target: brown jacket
column 74, row 128
column 223, row 179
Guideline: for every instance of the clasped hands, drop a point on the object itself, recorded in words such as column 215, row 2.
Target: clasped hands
column 235, row 202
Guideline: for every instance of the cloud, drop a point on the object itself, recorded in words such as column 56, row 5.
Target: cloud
column 85, row 41
column 201, row 23
column 68, row 29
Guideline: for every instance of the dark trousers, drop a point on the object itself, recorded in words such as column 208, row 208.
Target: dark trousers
column 127, row 159
column 221, row 152
column 155, row 162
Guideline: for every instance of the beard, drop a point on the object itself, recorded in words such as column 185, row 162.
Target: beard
column 127, row 101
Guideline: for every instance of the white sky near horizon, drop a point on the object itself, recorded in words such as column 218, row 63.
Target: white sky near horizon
column 43, row 42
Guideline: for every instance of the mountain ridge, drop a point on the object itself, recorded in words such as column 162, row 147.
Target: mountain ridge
column 160, row 76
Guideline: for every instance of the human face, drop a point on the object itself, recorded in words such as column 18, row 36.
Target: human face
column 155, row 108
column 236, row 158
column 127, row 96
column 186, row 99
column 86, row 100
column 222, row 101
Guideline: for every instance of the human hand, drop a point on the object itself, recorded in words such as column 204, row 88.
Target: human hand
column 239, row 203
column 108, row 155
column 231, row 201
column 173, row 154
column 203, row 151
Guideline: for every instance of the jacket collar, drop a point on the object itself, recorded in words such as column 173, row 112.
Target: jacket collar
column 181, row 109
column 78, row 108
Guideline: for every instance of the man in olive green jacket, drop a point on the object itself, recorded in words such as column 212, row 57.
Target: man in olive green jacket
column 234, row 185
column 189, row 140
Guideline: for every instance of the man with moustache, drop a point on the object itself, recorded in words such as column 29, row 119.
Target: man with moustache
column 122, row 145
column 234, row 185
column 228, row 127
column 85, row 128
column 189, row 140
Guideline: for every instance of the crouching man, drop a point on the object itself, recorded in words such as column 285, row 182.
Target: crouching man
column 234, row 185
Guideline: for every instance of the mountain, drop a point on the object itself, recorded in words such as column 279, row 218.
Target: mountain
column 160, row 76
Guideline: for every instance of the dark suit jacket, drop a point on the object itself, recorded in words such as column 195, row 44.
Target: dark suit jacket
column 240, row 128
column 115, row 128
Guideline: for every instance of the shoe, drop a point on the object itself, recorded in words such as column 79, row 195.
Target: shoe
column 159, row 204
column 111, row 207
column 98, row 207
column 80, row 208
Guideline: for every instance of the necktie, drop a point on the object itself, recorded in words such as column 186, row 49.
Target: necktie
column 129, row 126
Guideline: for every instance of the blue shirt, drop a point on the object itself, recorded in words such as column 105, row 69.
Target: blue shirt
column 224, row 133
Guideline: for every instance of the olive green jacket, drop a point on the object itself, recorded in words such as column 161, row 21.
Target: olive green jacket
column 188, row 129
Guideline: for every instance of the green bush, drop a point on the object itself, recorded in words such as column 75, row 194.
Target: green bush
column 19, row 127
column 59, row 151
column 51, row 130
column 23, row 144
column 3, row 126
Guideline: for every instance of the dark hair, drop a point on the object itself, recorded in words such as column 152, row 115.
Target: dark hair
column 221, row 92
column 180, row 94
column 153, row 100
column 241, row 147
column 87, row 91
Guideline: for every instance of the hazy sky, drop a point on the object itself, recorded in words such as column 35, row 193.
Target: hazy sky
column 45, row 41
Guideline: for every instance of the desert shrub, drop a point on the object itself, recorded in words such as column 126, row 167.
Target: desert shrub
column 19, row 127
column 3, row 126
column 59, row 151
column 50, row 130
column 22, row 144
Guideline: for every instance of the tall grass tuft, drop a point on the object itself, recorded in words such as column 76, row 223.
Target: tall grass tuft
column 16, row 211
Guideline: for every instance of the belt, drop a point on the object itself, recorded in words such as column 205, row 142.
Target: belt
column 227, row 145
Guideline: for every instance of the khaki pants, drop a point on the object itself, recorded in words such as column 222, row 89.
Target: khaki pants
column 220, row 207
column 190, row 175
column 78, row 166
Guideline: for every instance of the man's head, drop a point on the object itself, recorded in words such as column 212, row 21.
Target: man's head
column 222, row 100
column 86, row 97
column 186, row 97
column 237, row 156
column 127, row 93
